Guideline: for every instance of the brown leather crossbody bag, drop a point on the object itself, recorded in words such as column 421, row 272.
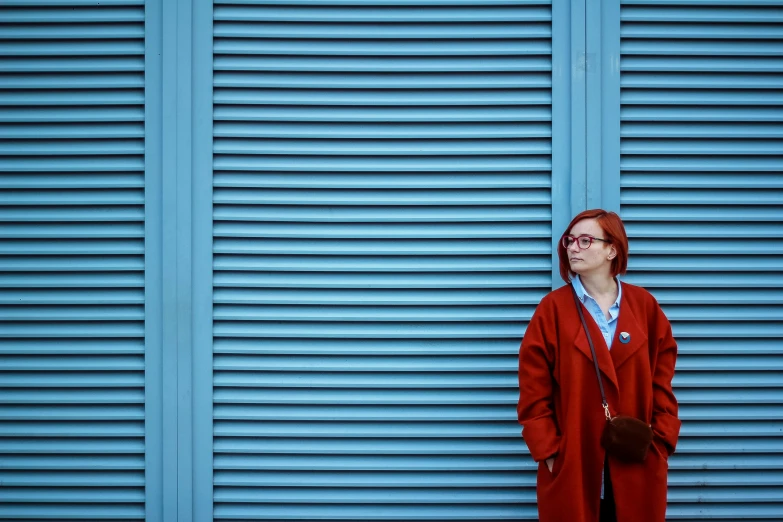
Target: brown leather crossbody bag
column 624, row 437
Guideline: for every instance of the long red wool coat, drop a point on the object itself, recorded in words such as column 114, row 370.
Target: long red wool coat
column 560, row 406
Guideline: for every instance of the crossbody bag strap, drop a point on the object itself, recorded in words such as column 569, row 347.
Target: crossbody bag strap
column 592, row 350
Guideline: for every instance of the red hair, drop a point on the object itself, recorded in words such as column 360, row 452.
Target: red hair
column 614, row 232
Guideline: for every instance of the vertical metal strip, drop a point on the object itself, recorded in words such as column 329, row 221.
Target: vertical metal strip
column 603, row 104
column 593, row 108
column 579, row 128
column 561, row 125
column 202, row 261
column 569, row 119
column 610, row 106
column 153, row 264
column 176, row 142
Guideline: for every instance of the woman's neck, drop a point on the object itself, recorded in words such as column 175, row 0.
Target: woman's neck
column 599, row 285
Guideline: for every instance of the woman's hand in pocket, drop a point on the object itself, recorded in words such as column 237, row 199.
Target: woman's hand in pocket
column 550, row 463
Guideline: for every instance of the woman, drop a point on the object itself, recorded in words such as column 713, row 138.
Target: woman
column 560, row 406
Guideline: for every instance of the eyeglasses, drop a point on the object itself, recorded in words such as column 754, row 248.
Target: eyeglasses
column 584, row 241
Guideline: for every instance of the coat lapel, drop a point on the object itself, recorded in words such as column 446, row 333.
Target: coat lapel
column 627, row 324
column 605, row 362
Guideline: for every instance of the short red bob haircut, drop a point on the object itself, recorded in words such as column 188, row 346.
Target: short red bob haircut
column 614, row 232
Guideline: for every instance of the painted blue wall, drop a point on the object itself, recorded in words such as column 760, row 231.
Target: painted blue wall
column 273, row 260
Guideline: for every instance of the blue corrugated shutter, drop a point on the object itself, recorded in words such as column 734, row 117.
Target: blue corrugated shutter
column 72, row 260
column 382, row 234
column 702, row 194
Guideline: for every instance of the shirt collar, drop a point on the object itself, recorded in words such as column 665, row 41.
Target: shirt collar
column 582, row 294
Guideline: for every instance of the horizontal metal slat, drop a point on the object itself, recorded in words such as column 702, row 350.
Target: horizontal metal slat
column 73, row 396
column 373, row 347
column 71, row 247
column 71, row 280
column 397, row 180
column 680, row 147
column 703, row 48
column 70, row 330
column 73, row 14
column 61, row 131
column 348, row 230
column 654, row 114
column 92, row 163
column 359, row 80
column 21, row 263
column 709, row 97
column 72, row 230
column 328, row 397
column 678, row 80
column 83, row 99
column 20, row 312
column 52, row 115
column 72, row 147
column 350, row 496
column 93, row 512
column 347, row 379
column 74, row 30
column 60, row 412
column 407, row 247
column 379, row 197
column 363, row 263
column 396, row 31
column 313, row 280
column 75, row 80
column 711, row 180
column 375, row 479
column 348, row 148
column 416, row 97
column 688, row 30
column 77, row 430
column 357, row 330
column 227, row 512
column 697, row 64
column 397, row 163
column 72, row 48
column 398, row 295
column 728, row 133
column 372, row 131
column 65, row 213
column 702, row 14
column 372, row 313
column 10, row 496
column 72, row 65
column 358, row 363
column 386, row 14
column 384, row 430
column 382, row 64
column 372, row 47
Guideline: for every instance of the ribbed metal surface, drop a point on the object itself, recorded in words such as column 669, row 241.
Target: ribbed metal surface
column 702, row 195
column 382, row 235
column 72, row 260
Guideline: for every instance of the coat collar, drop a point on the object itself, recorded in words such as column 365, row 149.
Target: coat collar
column 609, row 361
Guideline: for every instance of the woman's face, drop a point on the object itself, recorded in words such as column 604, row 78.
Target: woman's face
column 594, row 260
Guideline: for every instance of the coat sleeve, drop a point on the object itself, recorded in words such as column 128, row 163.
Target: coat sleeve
column 535, row 409
column 665, row 421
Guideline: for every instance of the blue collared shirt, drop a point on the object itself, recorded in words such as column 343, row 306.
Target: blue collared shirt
column 608, row 326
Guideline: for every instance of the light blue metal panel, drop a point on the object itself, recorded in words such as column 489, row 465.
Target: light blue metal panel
column 382, row 234
column 72, row 259
column 702, row 197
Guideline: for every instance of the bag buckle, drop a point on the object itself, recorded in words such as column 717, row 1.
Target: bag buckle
column 606, row 411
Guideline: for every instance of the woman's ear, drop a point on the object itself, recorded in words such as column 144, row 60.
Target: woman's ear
column 612, row 253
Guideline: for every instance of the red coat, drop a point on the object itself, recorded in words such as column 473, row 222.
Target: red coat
column 560, row 406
